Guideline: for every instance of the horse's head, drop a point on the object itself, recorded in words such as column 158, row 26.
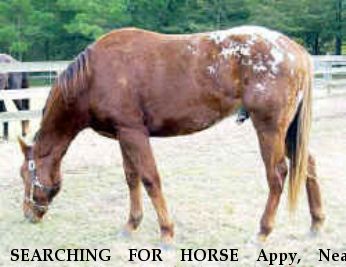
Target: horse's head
column 39, row 189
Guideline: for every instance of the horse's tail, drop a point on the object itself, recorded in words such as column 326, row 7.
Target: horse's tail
column 297, row 140
column 75, row 77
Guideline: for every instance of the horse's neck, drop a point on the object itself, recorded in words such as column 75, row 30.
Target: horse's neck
column 55, row 135
column 51, row 144
column 49, row 149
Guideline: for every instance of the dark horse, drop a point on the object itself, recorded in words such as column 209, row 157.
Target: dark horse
column 14, row 80
column 133, row 84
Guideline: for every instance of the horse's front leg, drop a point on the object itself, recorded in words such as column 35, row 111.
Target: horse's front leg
column 135, row 145
column 272, row 144
column 133, row 182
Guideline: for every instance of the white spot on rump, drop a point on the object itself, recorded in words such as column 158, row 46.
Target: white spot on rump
column 236, row 49
column 278, row 58
column 269, row 35
column 229, row 51
column 219, row 36
column 260, row 88
column 192, row 49
column 211, row 69
column 244, row 49
column 291, row 56
column 259, row 67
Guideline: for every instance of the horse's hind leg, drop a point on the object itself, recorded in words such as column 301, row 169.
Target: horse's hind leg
column 271, row 135
column 135, row 144
column 312, row 185
column 314, row 197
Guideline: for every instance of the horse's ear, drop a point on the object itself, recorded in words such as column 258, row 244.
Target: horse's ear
column 23, row 146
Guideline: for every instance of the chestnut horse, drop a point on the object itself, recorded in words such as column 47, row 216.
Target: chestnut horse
column 133, row 84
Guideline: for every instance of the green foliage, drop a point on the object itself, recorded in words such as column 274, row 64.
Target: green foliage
column 94, row 17
column 59, row 29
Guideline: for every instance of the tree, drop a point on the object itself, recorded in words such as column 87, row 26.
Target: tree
column 94, row 17
column 340, row 25
column 310, row 22
column 16, row 29
column 60, row 29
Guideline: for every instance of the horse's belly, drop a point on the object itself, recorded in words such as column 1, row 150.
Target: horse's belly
column 183, row 126
column 180, row 123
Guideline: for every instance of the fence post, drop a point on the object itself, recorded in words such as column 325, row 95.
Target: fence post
column 328, row 75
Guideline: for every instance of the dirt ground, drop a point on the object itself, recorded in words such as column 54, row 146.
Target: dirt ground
column 214, row 183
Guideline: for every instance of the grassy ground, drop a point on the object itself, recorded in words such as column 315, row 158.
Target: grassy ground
column 214, row 183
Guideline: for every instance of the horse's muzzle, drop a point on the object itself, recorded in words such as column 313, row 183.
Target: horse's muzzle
column 31, row 217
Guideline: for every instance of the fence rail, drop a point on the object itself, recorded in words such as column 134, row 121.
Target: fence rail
column 330, row 72
column 48, row 66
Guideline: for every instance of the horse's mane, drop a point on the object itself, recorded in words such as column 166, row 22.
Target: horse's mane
column 70, row 82
column 68, row 85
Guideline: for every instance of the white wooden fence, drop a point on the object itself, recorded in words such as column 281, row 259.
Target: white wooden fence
column 330, row 72
column 37, row 95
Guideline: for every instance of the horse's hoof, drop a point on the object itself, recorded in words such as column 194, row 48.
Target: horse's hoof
column 168, row 247
column 124, row 234
column 315, row 232
column 316, row 228
column 257, row 241
column 262, row 239
column 167, row 243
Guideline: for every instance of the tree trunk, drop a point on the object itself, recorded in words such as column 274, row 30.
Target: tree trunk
column 338, row 36
column 219, row 15
column 338, row 45
column 47, row 50
column 19, row 29
column 316, row 45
